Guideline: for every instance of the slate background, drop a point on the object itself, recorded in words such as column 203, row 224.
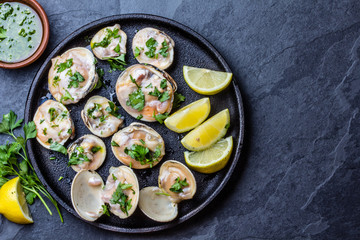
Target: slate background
column 297, row 65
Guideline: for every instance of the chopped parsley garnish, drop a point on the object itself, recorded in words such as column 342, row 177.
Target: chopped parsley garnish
column 139, row 117
column 90, row 111
column 137, row 51
column 42, row 120
column 143, row 154
column 112, row 109
column 54, row 126
column 103, row 118
column 178, row 185
column 53, row 114
column 105, row 210
column 44, row 131
column 149, row 86
column 163, row 84
column 69, row 131
column 62, row 66
column 55, row 146
column 164, row 49
column 107, row 39
column 162, row 193
column 66, row 96
column 78, row 157
column 142, row 141
column 60, row 178
column 160, row 117
column 75, row 80
column 64, row 114
column 227, row 125
column 114, row 144
column 95, row 149
column 114, row 178
column 162, row 96
column 151, row 44
column 136, row 100
column 178, row 98
column 56, row 81
column 119, row 197
column 117, row 49
column 134, row 81
column 2, row 33
column 117, row 63
column 100, row 81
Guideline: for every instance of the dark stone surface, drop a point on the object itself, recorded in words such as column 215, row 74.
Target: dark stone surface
column 297, row 64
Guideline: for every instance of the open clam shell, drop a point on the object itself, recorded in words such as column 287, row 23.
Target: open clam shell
column 86, row 191
column 172, row 172
column 114, row 189
column 138, row 135
column 53, row 123
column 145, row 92
column 72, row 75
column 87, row 153
column 157, row 206
column 98, row 119
column 116, row 41
column 154, row 47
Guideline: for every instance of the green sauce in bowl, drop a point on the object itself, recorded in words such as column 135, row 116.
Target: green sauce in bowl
column 20, row 32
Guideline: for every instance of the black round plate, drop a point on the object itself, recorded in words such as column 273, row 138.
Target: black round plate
column 190, row 49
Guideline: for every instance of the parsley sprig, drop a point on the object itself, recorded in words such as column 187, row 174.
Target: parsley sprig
column 143, row 154
column 119, row 197
column 113, row 110
column 178, row 186
column 137, row 98
column 117, row 63
column 78, row 156
column 15, row 162
column 111, row 34
column 65, row 65
column 75, row 80
column 151, row 44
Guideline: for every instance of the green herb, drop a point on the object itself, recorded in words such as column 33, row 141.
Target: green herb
column 42, row 120
column 107, row 39
column 143, row 154
column 178, row 185
column 149, row 86
column 22, row 33
column 64, row 114
column 227, row 125
column 162, row 193
column 134, row 81
column 14, row 161
column 112, row 109
column 162, row 96
column 103, row 118
column 62, row 66
column 56, row 81
column 136, row 100
column 54, row 126
column 60, row 178
column 66, row 96
column 130, row 164
column 97, row 108
column 2, row 33
column 160, row 117
column 52, row 158
column 69, row 131
column 53, row 114
column 49, row 140
column 100, row 81
column 139, row 117
column 114, row 144
column 69, row 73
column 78, row 157
column 137, row 52
column 114, row 178
column 163, row 84
column 164, row 49
column 117, row 63
column 59, row 133
column 75, row 80
column 119, row 197
column 151, row 44
column 55, row 146
column 117, row 49
column 44, row 131
column 95, row 149
column 142, row 141
column 105, row 210
column 178, row 98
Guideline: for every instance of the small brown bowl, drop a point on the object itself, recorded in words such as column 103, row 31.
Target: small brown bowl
column 45, row 37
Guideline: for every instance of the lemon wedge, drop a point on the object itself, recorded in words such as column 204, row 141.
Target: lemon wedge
column 207, row 133
column 212, row 159
column 13, row 203
column 189, row 116
column 206, row 81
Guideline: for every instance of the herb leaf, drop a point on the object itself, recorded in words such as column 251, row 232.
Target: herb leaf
column 178, row 185
column 151, row 44
column 164, row 49
column 119, row 197
column 105, row 210
column 107, row 39
column 95, row 149
column 66, row 96
column 160, row 117
column 75, row 80
column 55, row 146
column 142, row 154
column 117, row 63
column 178, row 98
column 163, row 84
column 112, row 109
column 136, row 100
column 114, row 144
column 62, row 66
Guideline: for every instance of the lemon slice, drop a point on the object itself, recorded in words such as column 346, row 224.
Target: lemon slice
column 212, row 159
column 189, row 116
column 207, row 133
column 13, row 204
column 206, row 81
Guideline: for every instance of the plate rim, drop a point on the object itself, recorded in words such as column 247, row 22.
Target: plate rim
column 198, row 38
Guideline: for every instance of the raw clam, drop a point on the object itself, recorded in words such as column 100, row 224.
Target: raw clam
column 86, row 191
column 121, row 191
column 87, row 152
column 137, row 137
column 101, row 117
column 154, row 47
column 145, row 92
column 53, row 123
column 72, row 75
column 109, row 42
